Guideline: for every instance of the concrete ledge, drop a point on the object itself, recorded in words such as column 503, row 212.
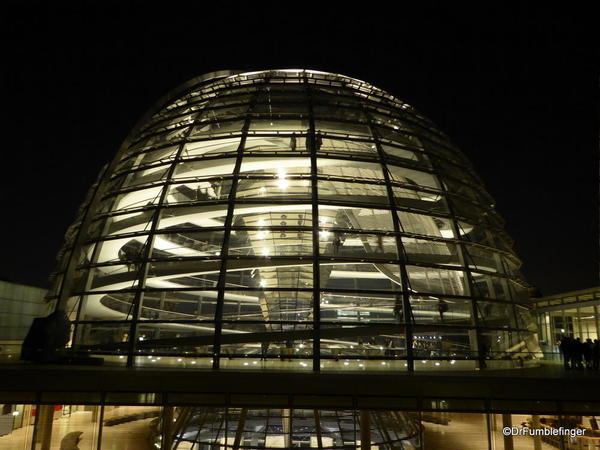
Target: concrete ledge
column 544, row 389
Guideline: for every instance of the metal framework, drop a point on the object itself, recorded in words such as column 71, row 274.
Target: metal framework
column 291, row 219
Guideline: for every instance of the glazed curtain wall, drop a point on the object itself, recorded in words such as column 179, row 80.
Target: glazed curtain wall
column 291, row 219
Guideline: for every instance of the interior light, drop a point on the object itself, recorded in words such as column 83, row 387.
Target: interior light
column 261, row 223
column 262, row 283
column 265, row 252
column 282, row 183
column 15, row 413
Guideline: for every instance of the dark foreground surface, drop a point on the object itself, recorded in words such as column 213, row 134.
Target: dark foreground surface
column 548, row 389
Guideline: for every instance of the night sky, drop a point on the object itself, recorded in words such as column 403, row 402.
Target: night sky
column 515, row 88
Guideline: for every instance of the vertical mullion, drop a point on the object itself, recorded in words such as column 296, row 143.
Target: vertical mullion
column 68, row 275
column 463, row 255
column 144, row 263
column 408, row 315
column 227, row 237
column 312, row 147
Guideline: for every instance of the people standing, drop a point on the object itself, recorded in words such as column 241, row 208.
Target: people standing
column 442, row 308
column 565, row 347
column 578, row 354
column 588, row 349
column 596, row 354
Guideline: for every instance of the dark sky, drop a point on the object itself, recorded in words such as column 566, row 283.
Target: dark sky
column 515, row 88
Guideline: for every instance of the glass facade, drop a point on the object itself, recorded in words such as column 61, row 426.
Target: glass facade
column 133, row 427
column 572, row 314
column 292, row 219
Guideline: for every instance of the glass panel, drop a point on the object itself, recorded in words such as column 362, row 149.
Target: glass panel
column 135, row 199
column 180, row 305
column 281, row 167
column 104, row 338
column 139, row 177
column 181, row 274
column 252, row 343
column 204, row 169
column 349, row 169
column 218, row 114
column 332, row 112
column 426, row 225
column 280, row 188
column 18, row 424
column 452, row 430
column 361, row 307
column 192, row 217
column 353, row 192
column 186, row 244
column 496, row 315
column 66, row 423
column 419, row 200
column 122, row 223
column 117, row 250
column 118, row 276
column 352, row 245
column 361, row 276
column 489, row 286
column 279, row 110
column 268, row 305
column 272, row 216
column 211, row 147
column 341, row 128
column 265, row 242
column 255, row 144
column 201, row 191
column 438, row 281
column 345, row 217
column 399, row 137
column 449, row 311
column 278, row 125
column 483, row 259
column 413, row 177
column 430, row 252
column 267, row 273
column 217, row 128
column 356, row 348
column 344, row 147
column 450, row 344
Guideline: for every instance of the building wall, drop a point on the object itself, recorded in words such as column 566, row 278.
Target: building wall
column 19, row 305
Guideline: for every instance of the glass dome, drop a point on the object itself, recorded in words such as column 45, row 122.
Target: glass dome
column 291, row 219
